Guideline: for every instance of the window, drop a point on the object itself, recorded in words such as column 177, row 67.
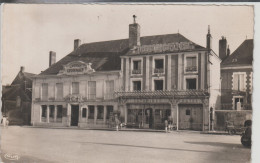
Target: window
column 51, row 111
column 237, row 101
column 109, row 111
column 239, row 81
column 59, row 111
column 92, row 90
column 188, row 112
column 84, row 112
column 44, row 111
column 109, row 89
column 44, row 91
column 136, row 67
column 158, row 85
column 91, row 112
column 159, row 67
column 191, row 64
column 59, row 94
column 191, row 83
column 75, row 87
column 100, row 112
column 136, row 85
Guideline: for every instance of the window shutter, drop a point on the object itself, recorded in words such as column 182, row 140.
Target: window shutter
column 75, row 88
column 242, row 82
column 44, row 91
column 100, row 85
column 235, row 82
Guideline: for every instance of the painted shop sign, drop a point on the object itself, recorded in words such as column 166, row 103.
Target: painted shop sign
column 76, row 67
column 159, row 48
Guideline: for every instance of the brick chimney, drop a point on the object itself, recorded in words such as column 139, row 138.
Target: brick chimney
column 77, row 43
column 228, row 51
column 52, row 58
column 134, row 34
column 22, row 69
column 222, row 48
column 209, row 39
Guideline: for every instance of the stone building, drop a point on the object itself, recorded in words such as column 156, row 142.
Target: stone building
column 236, row 83
column 16, row 99
column 145, row 79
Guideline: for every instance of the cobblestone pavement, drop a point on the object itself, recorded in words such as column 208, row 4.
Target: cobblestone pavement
column 68, row 145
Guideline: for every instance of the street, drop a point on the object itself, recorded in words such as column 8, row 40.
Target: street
column 72, row 145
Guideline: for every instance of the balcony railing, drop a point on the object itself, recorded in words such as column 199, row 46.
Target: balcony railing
column 158, row 70
column 191, row 69
column 160, row 93
column 138, row 71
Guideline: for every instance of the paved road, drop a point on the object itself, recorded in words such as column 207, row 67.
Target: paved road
column 69, row 145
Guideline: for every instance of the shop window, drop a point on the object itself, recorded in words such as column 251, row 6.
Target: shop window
column 188, row 112
column 191, row 64
column 158, row 85
column 109, row 89
column 84, row 112
column 92, row 90
column 159, row 66
column 100, row 112
column 191, row 83
column 136, row 67
column 51, row 107
column 239, row 82
column 91, row 112
column 75, row 87
column 136, row 85
column 59, row 111
column 109, row 111
column 44, row 91
column 59, row 94
column 44, row 111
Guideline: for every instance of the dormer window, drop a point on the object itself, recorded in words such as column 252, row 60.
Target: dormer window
column 137, row 67
column 191, row 64
column 159, row 66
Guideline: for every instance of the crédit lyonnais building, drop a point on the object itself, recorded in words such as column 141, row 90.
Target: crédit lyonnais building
column 145, row 79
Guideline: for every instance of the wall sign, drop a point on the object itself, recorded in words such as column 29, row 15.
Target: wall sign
column 76, row 67
column 159, row 48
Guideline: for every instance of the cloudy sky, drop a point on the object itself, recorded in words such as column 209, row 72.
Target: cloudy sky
column 31, row 31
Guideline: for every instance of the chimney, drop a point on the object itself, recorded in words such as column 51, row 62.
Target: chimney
column 134, row 34
column 21, row 69
column 222, row 48
column 77, row 43
column 228, row 51
column 209, row 39
column 52, row 58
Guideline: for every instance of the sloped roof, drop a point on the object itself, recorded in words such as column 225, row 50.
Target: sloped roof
column 243, row 55
column 105, row 56
column 23, row 76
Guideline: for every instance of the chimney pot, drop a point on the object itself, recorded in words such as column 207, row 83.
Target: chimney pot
column 77, row 43
column 134, row 34
column 223, row 51
column 52, row 58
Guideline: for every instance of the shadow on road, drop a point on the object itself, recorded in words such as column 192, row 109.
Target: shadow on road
column 217, row 144
column 138, row 146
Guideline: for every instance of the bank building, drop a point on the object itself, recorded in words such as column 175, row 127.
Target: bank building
column 144, row 80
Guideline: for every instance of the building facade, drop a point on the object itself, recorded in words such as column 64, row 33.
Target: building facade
column 156, row 78
column 236, row 83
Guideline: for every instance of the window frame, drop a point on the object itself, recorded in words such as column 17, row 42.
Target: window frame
column 245, row 81
column 132, row 83
column 185, row 63
column 190, row 77
column 132, row 64
column 153, row 66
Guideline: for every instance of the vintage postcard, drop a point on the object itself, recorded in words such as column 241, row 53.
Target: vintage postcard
column 126, row 83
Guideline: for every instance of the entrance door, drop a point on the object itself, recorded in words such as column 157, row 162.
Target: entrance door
column 74, row 115
column 190, row 117
column 149, row 117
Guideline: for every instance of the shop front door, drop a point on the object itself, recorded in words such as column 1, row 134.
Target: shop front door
column 74, row 115
column 190, row 117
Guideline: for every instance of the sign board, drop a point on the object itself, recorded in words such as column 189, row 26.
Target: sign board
column 76, row 67
column 159, row 48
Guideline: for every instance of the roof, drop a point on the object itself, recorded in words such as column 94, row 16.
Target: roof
column 23, row 76
column 105, row 55
column 242, row 56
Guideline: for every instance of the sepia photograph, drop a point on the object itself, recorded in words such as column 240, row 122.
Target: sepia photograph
column 126, row 83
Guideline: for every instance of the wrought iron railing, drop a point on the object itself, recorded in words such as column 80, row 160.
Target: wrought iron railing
column 160, row 93
column 138, row 71
column 158, row 70
column 191, row 68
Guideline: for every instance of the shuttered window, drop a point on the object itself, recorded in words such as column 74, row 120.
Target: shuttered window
column 44, row 91
column 75, row 87
column 239, row 82
column 59, row 94
column 109, row 89
column 92, row 90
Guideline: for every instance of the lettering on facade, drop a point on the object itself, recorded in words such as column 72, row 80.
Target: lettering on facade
column 76, row 67
column 74, row 98
column 159, row 48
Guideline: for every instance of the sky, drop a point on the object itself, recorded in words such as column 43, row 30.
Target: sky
column 30, row 31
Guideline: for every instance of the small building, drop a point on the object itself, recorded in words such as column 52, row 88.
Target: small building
column 16, row 99
column 146, row 80
column 236, row 84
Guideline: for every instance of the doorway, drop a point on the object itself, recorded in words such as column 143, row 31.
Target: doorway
column 74, row 115
column 149, row 117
